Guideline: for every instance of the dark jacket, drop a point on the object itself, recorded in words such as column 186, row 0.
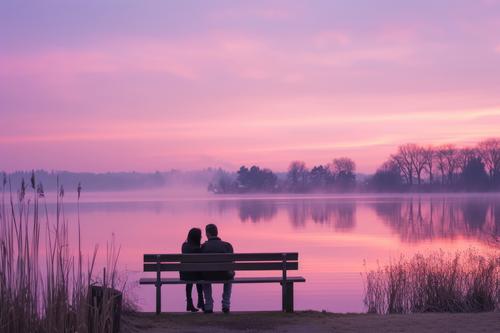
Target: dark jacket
column 216, row 245
column 190, row 276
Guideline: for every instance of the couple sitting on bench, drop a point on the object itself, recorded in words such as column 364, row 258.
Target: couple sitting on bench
column 213, row 245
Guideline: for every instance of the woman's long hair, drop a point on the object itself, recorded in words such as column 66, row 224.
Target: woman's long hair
column 194, row 236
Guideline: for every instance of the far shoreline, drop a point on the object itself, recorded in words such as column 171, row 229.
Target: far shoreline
column 169, row 194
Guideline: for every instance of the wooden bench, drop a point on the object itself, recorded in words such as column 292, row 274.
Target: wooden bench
column 207, row 262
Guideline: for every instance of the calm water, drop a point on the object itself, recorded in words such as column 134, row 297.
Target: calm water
column 335, row 237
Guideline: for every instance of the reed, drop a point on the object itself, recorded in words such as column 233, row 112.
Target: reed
column 43, row 284
column 466, row 281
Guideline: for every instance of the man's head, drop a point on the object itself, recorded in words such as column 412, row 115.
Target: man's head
column 211, row 230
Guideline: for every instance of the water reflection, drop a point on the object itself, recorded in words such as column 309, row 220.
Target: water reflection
column 257, row 210
column 414, row 219
column 417, row 219
column 342, row 216
column 334, row 236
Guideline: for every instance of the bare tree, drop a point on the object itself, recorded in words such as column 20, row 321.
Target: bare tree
column 429, row 154
column 418, row 159
column 452, row 161
column 404, row 159
column 464, row 156
column 447, row 162
column 297, row 176
column 343, row 169
column 489, row 150
column 440, row 156
column 343, row 165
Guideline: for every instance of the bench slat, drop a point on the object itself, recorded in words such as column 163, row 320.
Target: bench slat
column 221, row 266
column 235, row 280
column 220, row 257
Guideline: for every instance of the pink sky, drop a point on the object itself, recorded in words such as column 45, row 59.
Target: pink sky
column 157, row 85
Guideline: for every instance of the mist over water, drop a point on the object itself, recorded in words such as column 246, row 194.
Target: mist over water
column 337, row 237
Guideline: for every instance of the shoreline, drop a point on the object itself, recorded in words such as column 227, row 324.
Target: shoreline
column 311, row 321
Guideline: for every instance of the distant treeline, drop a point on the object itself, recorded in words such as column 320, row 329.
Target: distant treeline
column 411, row 168
column 110, row 181
column 337, row 176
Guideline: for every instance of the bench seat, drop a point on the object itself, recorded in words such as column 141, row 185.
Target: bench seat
column 279, row 279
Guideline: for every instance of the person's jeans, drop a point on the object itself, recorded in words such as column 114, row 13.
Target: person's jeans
column 226, row 296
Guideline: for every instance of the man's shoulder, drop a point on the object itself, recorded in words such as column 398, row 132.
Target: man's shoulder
column 229, row 246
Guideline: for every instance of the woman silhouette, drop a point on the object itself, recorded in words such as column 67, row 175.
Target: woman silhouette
column 192, row 245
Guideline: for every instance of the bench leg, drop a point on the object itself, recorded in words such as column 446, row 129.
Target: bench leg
column 158, row 299
column 287, row 297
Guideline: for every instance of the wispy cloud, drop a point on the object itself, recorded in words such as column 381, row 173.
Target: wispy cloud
column 186, row 84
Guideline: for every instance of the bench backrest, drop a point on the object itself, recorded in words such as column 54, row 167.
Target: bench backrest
column 221, row 262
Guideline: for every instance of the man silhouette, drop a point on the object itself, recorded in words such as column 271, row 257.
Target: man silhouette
column 215, row 245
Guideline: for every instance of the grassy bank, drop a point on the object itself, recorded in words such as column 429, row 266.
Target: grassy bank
column 44, row 281
column 311, row 321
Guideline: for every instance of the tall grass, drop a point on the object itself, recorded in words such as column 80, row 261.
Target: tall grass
column 438, row 282
column 43, row 285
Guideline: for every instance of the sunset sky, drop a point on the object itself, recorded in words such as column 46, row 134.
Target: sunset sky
column 155, row 85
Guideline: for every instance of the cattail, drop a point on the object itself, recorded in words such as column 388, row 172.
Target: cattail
column 79, row 190
column 61, row 191
column 40, row 191
column 22, row 191
column 33, row 179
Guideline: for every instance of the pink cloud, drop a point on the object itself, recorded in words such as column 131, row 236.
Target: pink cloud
column 147, row 56
column 265, row 13
column 331, row 38
column 245, row 56
column 237, row 94
column 398, row 34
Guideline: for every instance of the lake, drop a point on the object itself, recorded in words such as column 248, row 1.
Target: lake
column 338, row 237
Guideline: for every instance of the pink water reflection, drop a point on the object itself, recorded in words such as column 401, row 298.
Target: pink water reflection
column 334, row 238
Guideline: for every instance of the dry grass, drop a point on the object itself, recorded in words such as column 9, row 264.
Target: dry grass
column 43, row 286
column 462, row 282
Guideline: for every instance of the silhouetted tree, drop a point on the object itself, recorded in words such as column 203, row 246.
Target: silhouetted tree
column 489, row 150
column 409, row 168
column 474, row 176
column 320, row 177
column 428, row 155
column 416, row 158
column 404, row 159
column 255, row 179
column 343, row 171
column 225, row 183
column 297, row 176
column 464, row 155
column 447, row 162
column 387, row 178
